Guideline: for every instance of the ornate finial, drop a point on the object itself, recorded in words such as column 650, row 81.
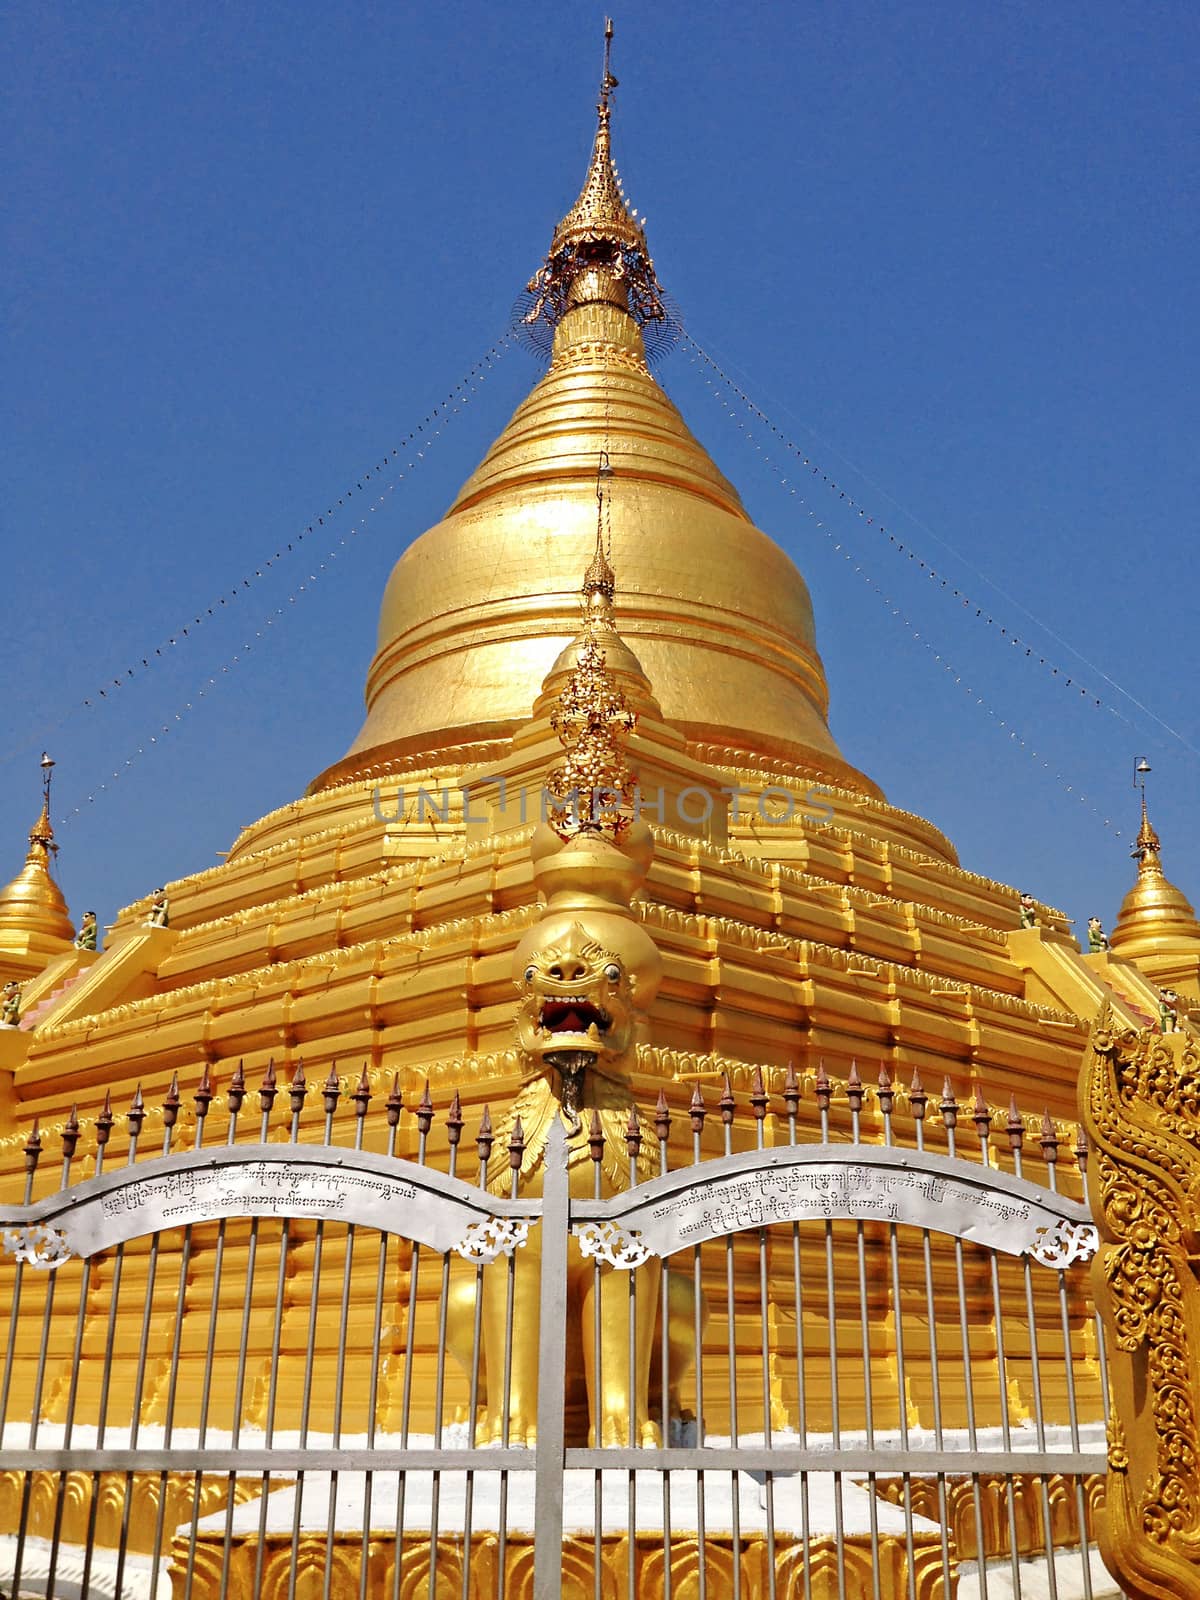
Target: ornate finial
column 607, row 82
column 599, row 235
column 592, row 790
column 41, row 835
column 394, row 1104
column 697, row 1111
column 362, row 1094
column 600, row 581
column 236, row 1093
column 1146, row 850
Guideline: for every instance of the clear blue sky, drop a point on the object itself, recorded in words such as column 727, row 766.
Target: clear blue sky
column 953, row 246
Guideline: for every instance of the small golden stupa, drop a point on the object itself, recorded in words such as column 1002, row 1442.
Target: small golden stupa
column 1156, row 927
column 34, row 922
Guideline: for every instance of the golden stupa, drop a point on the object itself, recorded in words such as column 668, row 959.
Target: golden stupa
column 1156, row 926
column 805, row 928
column 34, row 922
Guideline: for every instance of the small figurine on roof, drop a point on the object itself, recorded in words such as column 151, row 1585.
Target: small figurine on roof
column 85, row 939
column 159, row 911
column 1097, row 938
column 1168, row 1011
column 10, row 1004
column 1029, row 916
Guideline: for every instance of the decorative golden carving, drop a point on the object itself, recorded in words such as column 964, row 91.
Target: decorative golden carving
column 599, row 237
column 593, row 786
column 1140, row 1097
column 797, row 1572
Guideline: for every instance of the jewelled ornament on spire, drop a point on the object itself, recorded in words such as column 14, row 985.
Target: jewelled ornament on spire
column 599, row 234
column 592, row 790
column 1146, row 850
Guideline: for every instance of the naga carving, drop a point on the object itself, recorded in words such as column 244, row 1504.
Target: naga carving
column 1140, row 1096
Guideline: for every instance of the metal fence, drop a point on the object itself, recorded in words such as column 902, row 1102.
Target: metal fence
column 769, row 1347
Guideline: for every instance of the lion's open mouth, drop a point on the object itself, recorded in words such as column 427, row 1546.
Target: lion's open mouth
column 575, row 1014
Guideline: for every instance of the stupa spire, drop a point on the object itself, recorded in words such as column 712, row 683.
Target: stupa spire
column 600, row 581
column 599, row 249
column 1147, row 847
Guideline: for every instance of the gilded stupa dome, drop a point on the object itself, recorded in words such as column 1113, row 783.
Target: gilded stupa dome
column 32, row 908
column 1156, row 919
column 479, row 607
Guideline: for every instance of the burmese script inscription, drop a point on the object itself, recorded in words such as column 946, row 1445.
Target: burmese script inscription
column 836, row 1189
column 265, row 1181
column 260, row 1188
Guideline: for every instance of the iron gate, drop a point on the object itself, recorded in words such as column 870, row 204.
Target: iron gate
column 827, row 1353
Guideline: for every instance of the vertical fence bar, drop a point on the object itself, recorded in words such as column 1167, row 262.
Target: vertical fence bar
column 483, row 1149
column 662, row 1129
column 886, row 1100
column 454, row 1127
column 596, row 1143
column 424, row 1117
column 170, row 1115
column 552, row 1376
column 854, row 1096
column 917, row 1100
column 824, row 1093
column 392, row 1109
column 331, row 1093
column 697, row 1113
column 726, row 1105
column 758, row 1104
column 103, row 1129
column 982, row 1119
column 949, row 1111
column 185, row 1259
column 297, row 1091
column 361, row 1098
column 266, row 1099
column 33, row 1153
column 70, row 1140
column 203, row 1096
column 134, row 1118
column 633, row 1144
column 791, row 1102
column 1016, row 1132
column 516, row 1151
column 1049, row 1143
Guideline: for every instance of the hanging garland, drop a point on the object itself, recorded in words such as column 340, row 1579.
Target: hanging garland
column 429, row 428
column 1032, row 652
column 429, row 431
column 914, row 633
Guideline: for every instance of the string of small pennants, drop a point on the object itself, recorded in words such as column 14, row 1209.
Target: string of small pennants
column 906, row 622
column 945, row 585
column 426, row 432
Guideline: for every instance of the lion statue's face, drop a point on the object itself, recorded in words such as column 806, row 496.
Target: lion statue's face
column 577, row 999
